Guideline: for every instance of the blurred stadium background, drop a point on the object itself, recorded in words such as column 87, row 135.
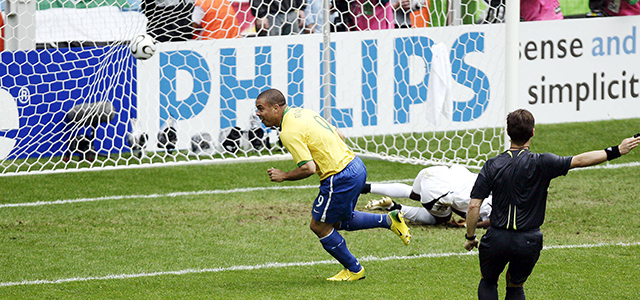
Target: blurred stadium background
column 83, row 214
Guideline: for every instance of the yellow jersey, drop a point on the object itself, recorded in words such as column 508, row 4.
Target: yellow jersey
column 308, row 136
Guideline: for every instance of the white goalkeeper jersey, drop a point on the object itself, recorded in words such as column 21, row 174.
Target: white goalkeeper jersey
column 450, row 186
column 485, row 209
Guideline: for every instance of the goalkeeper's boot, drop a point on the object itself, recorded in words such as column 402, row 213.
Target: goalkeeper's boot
column 385, row 203
column 399, row 227
column 346, row 275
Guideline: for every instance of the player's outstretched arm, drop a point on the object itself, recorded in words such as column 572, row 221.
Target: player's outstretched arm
column 599, row 156
column 301, row 172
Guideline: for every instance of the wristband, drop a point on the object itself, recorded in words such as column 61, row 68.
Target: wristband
column 470, row 238
column 612, row 152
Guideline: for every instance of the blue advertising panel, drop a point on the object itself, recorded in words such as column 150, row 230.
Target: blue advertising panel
column 47, row 83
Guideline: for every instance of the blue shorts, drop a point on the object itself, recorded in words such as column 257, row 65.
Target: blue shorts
column 339, row 193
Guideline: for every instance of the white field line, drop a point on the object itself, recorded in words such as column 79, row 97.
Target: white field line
column 172, row 195
column 607, row 165
column 150, row 196
column 287, row 265
column 240, row 190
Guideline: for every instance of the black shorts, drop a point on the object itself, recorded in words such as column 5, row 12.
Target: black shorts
column 520, row 249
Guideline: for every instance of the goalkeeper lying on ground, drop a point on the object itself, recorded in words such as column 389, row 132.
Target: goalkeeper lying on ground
column 441, row 190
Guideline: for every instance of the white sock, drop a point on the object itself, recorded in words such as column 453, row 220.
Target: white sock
column 395, row 190
column 418, row 215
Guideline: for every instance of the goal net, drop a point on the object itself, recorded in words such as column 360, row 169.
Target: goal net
column 418, row 81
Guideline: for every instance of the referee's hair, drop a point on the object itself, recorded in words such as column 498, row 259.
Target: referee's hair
column 273, row 96
column 520, row 124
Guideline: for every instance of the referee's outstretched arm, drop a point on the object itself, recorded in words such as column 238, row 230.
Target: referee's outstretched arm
column 599, row 156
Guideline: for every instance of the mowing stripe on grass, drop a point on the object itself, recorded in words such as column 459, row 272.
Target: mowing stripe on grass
column 150, row 196
column 286, row 265
column 173, row 195
column 239, row 190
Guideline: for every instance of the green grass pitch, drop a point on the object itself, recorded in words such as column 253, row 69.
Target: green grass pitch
column 170, row 233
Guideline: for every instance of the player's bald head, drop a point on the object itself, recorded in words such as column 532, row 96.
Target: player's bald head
column 273, row 97
column 270, row 107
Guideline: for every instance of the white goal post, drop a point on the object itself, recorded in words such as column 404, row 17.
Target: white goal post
column 432, row 93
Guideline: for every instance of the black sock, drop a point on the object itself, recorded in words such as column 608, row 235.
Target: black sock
column 395, row 206
column 366, row 189
column 487, row 290
column 515, row 293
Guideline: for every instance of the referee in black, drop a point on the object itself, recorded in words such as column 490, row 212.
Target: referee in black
column 518, row 180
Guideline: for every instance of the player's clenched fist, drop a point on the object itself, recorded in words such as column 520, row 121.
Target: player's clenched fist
column 275, row 175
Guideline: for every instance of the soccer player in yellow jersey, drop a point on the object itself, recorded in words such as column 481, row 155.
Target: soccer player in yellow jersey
column 319, row 147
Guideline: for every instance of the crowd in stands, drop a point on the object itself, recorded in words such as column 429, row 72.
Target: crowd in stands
column 233, row 18
column 182, row 20
column 542, row 10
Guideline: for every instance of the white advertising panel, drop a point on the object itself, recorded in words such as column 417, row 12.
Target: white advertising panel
column 380, row 83
column 580, row 70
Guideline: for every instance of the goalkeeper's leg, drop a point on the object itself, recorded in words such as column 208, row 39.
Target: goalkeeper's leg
column 418, row 215
column 396, row 190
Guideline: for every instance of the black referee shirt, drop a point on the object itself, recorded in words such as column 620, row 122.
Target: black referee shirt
column 519, row 180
